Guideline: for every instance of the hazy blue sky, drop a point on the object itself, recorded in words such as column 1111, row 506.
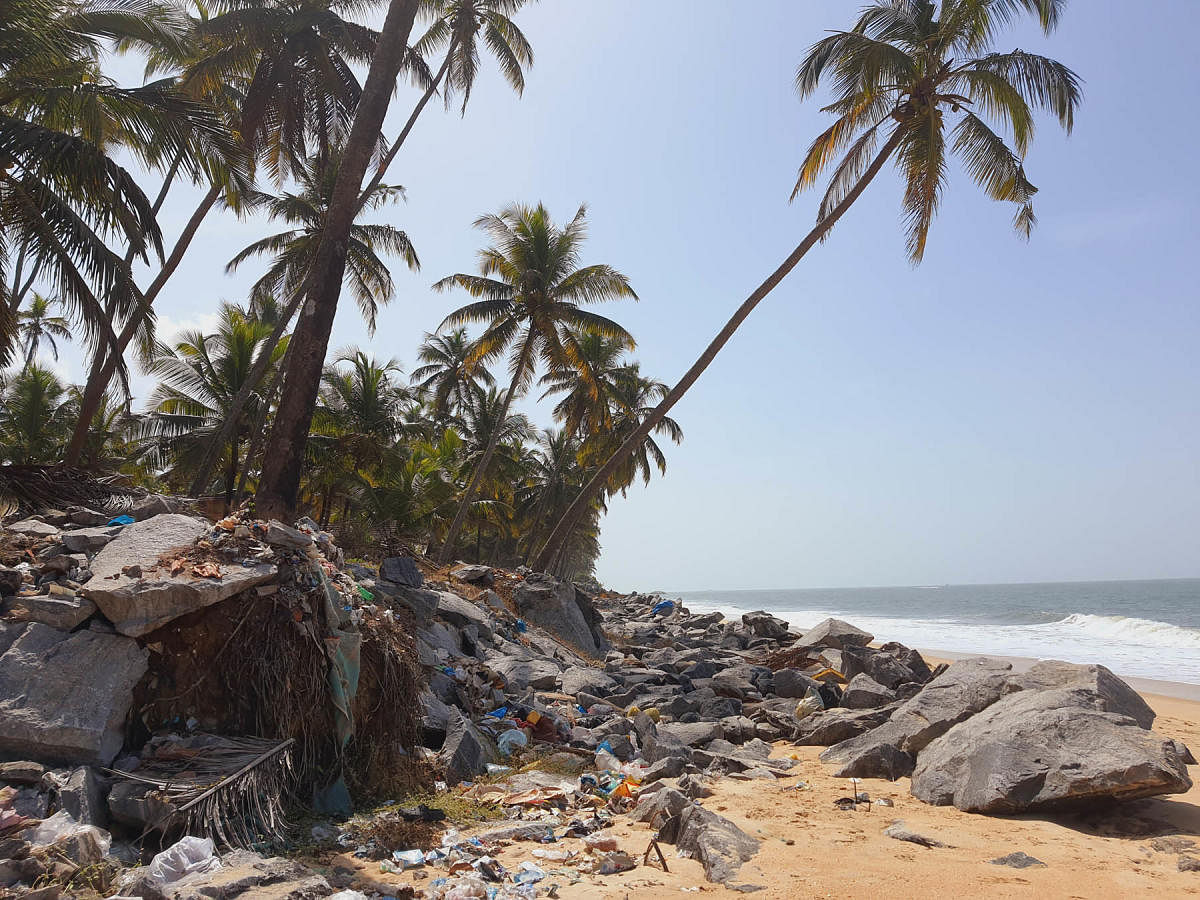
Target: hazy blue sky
column 1005, row 412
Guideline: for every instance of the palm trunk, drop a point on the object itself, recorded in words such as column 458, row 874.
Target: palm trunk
column 253, row 378
column 408, row 126
column 477, row 476
column 598, row 481
column 259, row 434
column 231, row 473
column 284, row 457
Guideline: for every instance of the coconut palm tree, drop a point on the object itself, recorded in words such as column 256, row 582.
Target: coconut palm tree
column 922, row 77
column 32, row 421
column 284, row 458
column 531, row 291
column 63, row 192
column 447, row 377
column 365, row 271
column 37, row 325
column 367, row 275
column 291, row 65
column 587, row 402
column 455, row 31
column 199, row 376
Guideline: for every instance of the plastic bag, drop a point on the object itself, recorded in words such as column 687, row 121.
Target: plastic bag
column 62, row 825
column 606, row 762
column 185, row 857
column 812, row 703
column 511, row 740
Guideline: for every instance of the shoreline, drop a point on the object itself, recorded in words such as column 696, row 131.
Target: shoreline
column 1175, row 690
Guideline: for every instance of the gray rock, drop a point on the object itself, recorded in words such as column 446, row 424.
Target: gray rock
column 81, row 515
column 137, row 606
column 720, row 708
column 152, row 505
column 1188, row 863
column 694, row 787
column 21, row 772
column 965, row 688
column 539, row 674
column 63, row 613
column 472, row 574
column 1184, row 753
column 31, row 803
column 492, row 600
column 83, row 796
column 420, row 602
column 833, row 726
column 738, row 728
column 656, row 745
column 667, row 767
column 64, row 697
column 457, row 611
column 242, row 875
column 402, row 570
column 657, row 807
column 280, row 535
column 586, row 679
column 883, row 668
column 467, row 750
column 10, row 580
column 765, row 625
column 33, row 528
column 695, row 734
column 714, row 841
column 911, row 659
column 835, row 634
column 793, row 683
column 556, row 606
column 1043, row 750
column 139, row 806
column 54, row 516
column 864, row 692
column 1017, row 860
column 1118, row 696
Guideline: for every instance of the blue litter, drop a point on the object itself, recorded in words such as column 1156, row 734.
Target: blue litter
column 605, row 745
column 499, row 713
column 121, row 520
column 521, row 626
column 663, row 606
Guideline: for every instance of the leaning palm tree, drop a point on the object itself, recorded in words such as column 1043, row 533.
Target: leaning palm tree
column 447, row 376
column 38, row 324
column 922, row 77
column 294, row 250
column 531, row 291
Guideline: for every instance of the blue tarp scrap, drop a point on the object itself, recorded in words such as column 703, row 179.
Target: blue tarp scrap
column 344, row 649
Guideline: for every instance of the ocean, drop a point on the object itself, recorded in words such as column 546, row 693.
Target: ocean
column 1147, row 629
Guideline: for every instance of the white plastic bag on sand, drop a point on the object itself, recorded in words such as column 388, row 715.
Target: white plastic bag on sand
column 186, row 857
column 62, row 825
column 348, row 895
column 606, row 762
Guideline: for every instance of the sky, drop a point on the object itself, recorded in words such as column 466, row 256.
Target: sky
column 1005, row 412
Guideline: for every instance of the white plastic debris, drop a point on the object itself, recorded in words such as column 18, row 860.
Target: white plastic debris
column 187, row 856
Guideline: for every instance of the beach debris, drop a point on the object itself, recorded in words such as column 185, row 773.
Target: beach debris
column 897, row 831
column 1018, row 860
column 662, row 860
column 1188, row 863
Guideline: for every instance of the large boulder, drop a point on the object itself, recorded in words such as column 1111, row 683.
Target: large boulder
column 835, row 634
column 402, row 570
column 1115, row 694
column 34, row 528
column 880, row 666
column 538, row 673
column 965, row 688
column 587, row 679
column 467, row 750
column 151, row 596
column 64, row 697
column 864, row 692
column 62, row 612
column 556, row 606
column 472, row 574
column 1043, row 749
column 461, row 613
column 835, row 725
column 89, row 540
column 764, row 624
column 793, row 683
column 719, row 845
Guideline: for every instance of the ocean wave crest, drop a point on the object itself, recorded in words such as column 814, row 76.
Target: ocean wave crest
column 1128, row 629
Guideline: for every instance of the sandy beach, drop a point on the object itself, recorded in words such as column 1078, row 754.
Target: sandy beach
column 811, row 849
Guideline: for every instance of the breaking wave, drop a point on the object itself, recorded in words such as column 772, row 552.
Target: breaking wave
column 1145, row 632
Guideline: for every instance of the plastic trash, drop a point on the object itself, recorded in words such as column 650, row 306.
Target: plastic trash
column 521, row 626
column 348, row 895
column 511, row 740
column 663, row 606
column 61, row 826
column 499, row 713
column 605, row 746
column 555, row 855
column 409, row 859
column 812, row 703
column 606, row 762
column 493, row 769
column 528, row 873
column 187, row 856
column 121, row 520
